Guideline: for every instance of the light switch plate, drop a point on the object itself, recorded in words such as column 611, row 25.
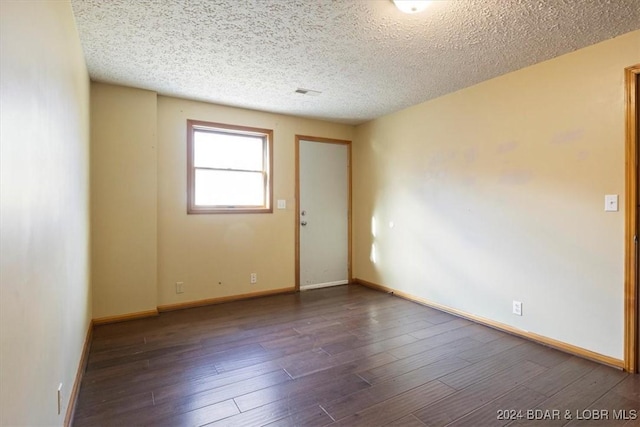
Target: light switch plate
column 611, row 203
column 282, row 204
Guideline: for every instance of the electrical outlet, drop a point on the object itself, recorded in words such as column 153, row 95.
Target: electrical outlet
column 517, row 308
column 179, row 287
column 254, row 278
column 60, row 399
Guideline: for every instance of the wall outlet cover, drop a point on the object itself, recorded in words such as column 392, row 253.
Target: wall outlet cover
column 517, row 308
column 179, row 287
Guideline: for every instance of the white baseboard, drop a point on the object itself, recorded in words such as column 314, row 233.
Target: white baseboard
column 323, row 285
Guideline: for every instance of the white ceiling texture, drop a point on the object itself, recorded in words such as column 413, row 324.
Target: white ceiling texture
column 366, row 57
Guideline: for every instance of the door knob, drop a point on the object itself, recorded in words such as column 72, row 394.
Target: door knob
column 303, row 223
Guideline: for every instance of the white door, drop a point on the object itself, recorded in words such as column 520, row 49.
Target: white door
column 324, row 214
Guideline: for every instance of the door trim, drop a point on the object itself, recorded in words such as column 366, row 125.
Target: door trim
column 631, row 75
column 297, row 196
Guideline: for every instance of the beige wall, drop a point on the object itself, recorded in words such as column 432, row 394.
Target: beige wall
column 131, row 187
column 45, row 296
column 123, row 200
column 496, row 193
column 486, row 195
column 204, row 250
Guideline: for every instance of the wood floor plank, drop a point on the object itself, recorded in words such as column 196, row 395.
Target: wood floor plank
column 382, row 342
column 398, row 406
column 478, row 394
column 157, row 379
column 491, row 349
column 321, row 395
column 184, row 401
column 313, row 416
column 389, row 332
column 123, row 370
column 437, row 340
column 306, row 342
column 263, row 415
column 308, row 384
column 579, row 395
column 488, row 367
column 229, row 343
column 142, row 347
column 389, row 318
column 214, row 390
column 483, row 334
column 610, row 410
column 346, row 353
column 437, row 329
column 502, row 410
column 200, row 416
column 369, row 358
column 308, row 327
column 558, row 377
column 98, row 412
column 143, row 381
column 141, row 355
column 342, row 408
column 326, row 392
column 112, row 343
column 629, row 388
column 437, row 317
column 408, row 421
column 427, row 357
column 299, row 366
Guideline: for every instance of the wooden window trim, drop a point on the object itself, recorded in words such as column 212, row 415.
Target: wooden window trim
column 192, row 208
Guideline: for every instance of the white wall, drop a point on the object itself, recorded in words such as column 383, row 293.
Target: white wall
column 44, row 209
column 496, row 193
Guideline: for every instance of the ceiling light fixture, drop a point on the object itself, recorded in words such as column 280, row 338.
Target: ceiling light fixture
column 411, row 6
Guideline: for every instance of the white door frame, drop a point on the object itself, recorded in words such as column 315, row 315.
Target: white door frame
column 297, row 195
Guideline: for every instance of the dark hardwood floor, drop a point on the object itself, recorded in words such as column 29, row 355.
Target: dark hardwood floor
column 347, row 356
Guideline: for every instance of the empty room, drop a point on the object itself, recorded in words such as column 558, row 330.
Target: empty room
column 319, row 212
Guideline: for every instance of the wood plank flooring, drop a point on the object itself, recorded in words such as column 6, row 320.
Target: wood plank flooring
column 343, row 356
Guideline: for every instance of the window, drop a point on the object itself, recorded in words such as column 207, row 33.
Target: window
column 229, row 168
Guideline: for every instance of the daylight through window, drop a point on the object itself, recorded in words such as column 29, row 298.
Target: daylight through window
column 229, row 168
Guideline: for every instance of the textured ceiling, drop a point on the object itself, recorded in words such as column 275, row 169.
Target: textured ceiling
column 367, row 58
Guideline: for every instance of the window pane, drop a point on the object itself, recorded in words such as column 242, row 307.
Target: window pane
column 225, row 188
column 227, row 151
